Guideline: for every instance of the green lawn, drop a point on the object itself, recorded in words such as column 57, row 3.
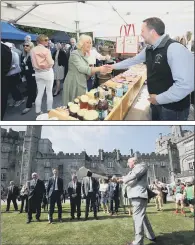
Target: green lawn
column 170, row 229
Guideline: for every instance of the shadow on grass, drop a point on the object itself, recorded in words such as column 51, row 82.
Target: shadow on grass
column 175, row 238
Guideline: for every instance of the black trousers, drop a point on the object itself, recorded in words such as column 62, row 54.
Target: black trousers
column 24, row 199
column 34, row 206
column 75, row 204
column 114, row 200
column 55, row 198
column 13, row 82
column 13, row 199
column 31, row 90
column 4, row 95
column 164, row 199
column 90, row 198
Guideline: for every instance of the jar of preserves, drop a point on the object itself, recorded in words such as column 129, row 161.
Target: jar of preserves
column 76, row 101
column 69, row 104
column 92, row 104
column 81, row 114
column 84, row 102
column 91, row 115
column 73, row 110
column 102, row 108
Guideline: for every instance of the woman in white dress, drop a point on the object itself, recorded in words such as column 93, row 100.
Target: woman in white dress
column 60, row 66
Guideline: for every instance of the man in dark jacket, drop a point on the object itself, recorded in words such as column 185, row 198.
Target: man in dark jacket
column 89, row 190
column 74, row 191
column 113, row 190
column 6, row 59
column 12, row 194
column 54, row 192
column 72, row 47
column 36, row 189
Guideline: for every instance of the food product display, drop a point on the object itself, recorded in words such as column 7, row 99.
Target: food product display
column 73, row 109
column 91, row 115
column 84, row 102
column 100, row 103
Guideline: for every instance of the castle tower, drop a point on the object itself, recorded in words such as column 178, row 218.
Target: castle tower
column 30, row 148
column 176, row 131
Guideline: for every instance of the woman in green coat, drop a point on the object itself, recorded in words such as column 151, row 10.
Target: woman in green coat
column 79, row 71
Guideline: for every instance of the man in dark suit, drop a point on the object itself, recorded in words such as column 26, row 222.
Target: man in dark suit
column 74, row 191
column 54, row 192
column 72, row 47
column 6, row 60
column 36, row 190
column 89, row 191
column 113, row 190
column 12, row 194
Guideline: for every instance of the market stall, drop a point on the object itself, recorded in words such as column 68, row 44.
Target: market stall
column 110, row 101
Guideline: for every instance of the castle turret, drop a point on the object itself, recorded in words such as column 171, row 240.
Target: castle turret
column 30, row 148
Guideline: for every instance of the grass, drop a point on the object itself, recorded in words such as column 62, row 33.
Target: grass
column 170, row 229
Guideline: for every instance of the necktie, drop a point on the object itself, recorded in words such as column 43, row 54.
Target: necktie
column 54, row 184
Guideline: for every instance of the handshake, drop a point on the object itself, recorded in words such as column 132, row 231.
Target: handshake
column 106, row 69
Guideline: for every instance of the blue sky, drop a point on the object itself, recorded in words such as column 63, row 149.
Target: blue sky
column 91, row 138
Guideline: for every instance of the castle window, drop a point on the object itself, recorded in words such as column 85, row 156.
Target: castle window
column 110, row 164
column 17, row 174
column 163, row 179
column 191, row 165
column 3, row 176
column 93, row 164
column 149, row 180
column 162, row 164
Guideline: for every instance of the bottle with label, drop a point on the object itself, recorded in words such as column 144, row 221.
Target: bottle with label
column 102, row 108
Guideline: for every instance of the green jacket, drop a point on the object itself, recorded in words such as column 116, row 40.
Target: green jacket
column 75, row 83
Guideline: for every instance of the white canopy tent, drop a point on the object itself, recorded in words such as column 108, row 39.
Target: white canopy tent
column 103, row 18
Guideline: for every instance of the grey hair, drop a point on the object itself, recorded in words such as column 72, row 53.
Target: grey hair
column 34, row 174
column 73, row 39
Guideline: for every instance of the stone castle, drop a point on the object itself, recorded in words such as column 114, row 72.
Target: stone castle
column 25, row 152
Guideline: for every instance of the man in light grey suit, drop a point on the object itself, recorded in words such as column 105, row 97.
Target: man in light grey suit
column 136, row 182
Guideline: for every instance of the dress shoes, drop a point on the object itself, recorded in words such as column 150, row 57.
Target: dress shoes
column 50, row 222
column 96, row 217
column 28, row 221
column 60, row 220
column 38, row 220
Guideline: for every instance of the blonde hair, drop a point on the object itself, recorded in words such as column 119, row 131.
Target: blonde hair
column 82, row 39
column 183, row 41
column 41, row 38
column 31, row 44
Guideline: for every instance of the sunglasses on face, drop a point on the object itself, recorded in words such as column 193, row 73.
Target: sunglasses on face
column 46, row 40
column 25, row 45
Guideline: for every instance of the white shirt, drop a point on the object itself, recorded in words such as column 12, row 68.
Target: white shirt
column 90, row 185
column 56, row 184
column 103, row 187
column 74, row 184
column 93, row 56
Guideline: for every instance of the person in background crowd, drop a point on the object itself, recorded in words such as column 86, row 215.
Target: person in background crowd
column 189, row 194
column 51, row 47
column 42, row 63
column 74, row 192
column 179, row 197
column 104, row 195
column 27, row 38
column 157, row 188
column 89, row 189
column 75, row 83
column 164, row 193
column 24, row 198
column 29, row 76
column 72, row 47
column 54, row 192
column 124, row 200
column 113, row 190
column 64, row 196
column 45, row 201
column 14, row 79
column 93, row 55
column 137, row 184
column 18, row 51
column 12, row 194
column 66, row 48
column 60, row 66
column 36, row 190
column 6, row 60
column 183, row 41
column 170, row 72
